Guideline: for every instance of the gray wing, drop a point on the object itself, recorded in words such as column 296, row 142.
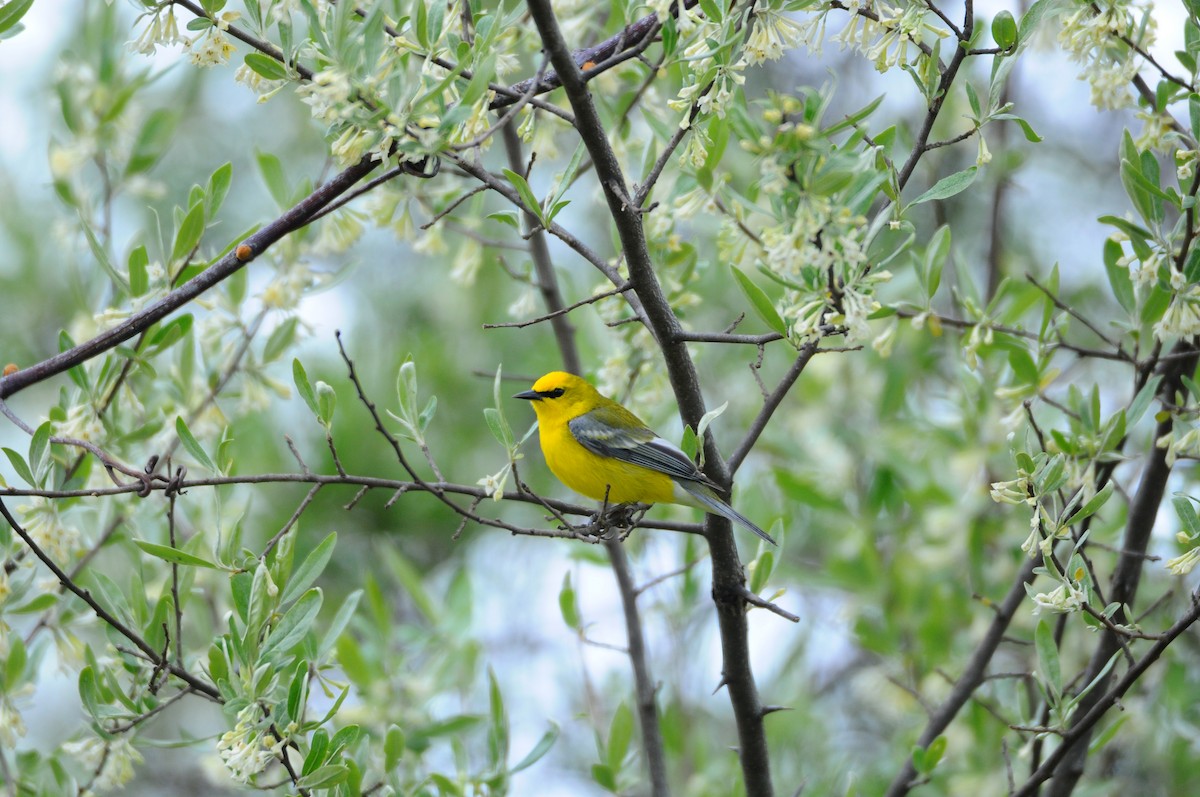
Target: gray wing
column 615, row 432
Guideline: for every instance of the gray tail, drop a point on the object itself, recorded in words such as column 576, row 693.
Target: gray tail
column 713, row 504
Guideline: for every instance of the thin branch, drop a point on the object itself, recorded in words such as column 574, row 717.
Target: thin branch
column 198, row 685
column 1081, row 730
column 771, row 404
column 562, row 311
column 647, row 708
column 543, row 265
column 627, row 43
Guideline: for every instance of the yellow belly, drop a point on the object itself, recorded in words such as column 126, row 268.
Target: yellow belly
column 595, row 476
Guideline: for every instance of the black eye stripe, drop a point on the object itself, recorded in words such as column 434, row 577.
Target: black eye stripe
column 555, row 393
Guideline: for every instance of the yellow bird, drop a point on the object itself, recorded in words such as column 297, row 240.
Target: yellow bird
column 602, row 450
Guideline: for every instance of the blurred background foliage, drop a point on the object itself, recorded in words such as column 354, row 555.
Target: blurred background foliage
column 878, row 466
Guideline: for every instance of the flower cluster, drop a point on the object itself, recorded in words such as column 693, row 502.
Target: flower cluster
column 887, row 35
column 1098, row 38
column 112, row 760
column 1067, row 597
column 770, row 36
column 250, row 746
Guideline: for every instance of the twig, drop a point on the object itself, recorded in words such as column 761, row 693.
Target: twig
column 771, row 404
column 150, row 653
column 563, row 311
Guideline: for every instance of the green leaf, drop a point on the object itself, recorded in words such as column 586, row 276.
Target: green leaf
column 304, row 387
column 498, row 426
column 540, row 749
column 174, row 555
column 508, row 217
column 498, row 727
column 20, row 466
column 1026, row 128
column 273, row 175
column 1004, row 30
column 1048, row 663
column 266, row 66
column 604, row 776
column 310, row 569
column 761, row 303
column 564, row 182
column 38, row 447
column 190, row 231
column 340, row 620
column 949, row 186
column 102, row 258
column 1032, row 18
column 1187, row 515
column 1092, row 506
column 935, row 259
column 689, row 443
column 620, row 734
column 14, row 666
column 326, row 403
column 167, row 335
column 973, row 100
column 296, row 622
column 1024, row 368
column 153, row 139
column 1118, row 276
column 712, row 10
column 393, row 747
column 218, row 187
column 763, row 566
column 89, row 692
column 139, row 280
column 280, row 339
column 324, row 777
column 11, row 14
column 567, row 604
column 192, row 445
column 526, row 193
column 1141, row 402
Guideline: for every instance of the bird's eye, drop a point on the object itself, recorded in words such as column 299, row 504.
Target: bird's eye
column 555, row 393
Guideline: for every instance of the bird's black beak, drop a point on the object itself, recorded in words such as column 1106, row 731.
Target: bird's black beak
column 529, row 395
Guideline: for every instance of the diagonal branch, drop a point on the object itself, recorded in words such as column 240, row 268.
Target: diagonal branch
column 231, row 263
column 159, row 661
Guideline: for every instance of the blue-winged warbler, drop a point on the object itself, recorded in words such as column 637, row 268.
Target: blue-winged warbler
column 602, row 450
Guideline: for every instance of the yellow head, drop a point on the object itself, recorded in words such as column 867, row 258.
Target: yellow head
column 559, row 396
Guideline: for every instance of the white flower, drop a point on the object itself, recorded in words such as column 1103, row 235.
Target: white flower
column 212, row 49
column 525, row 304
column 1013, row 492
column 1183, row 564
column 112, row 760
column 43, row 523
column 772, row 34
column 494, row 484
column 1182, row 317
column 12, row 727
column 1092, row 37
column 1064, row 599
column 248, row 749
column 162, row 30
column 328, row 95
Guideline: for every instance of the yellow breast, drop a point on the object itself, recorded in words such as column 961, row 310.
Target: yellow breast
column 595, row 476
